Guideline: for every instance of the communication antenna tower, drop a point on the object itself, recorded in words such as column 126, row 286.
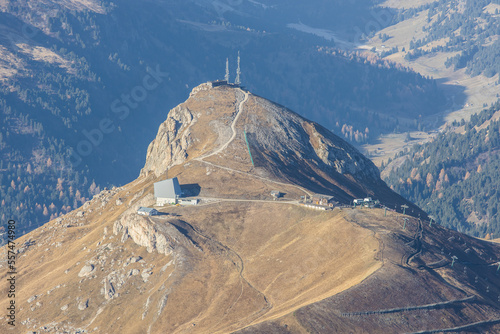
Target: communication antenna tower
column 238, row 71
column 226, row 77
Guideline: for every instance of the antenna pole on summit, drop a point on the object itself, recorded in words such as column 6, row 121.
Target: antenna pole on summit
column 238, row 71
column 226, row 77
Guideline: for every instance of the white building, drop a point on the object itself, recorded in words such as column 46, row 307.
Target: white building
column 147, row 211
column 358, row 201
column 167, row 191
column 367, row 202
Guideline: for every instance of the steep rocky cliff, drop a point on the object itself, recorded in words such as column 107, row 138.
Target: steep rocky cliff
column 171, row 143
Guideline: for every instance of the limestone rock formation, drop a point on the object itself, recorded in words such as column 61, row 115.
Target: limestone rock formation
column 169, row 148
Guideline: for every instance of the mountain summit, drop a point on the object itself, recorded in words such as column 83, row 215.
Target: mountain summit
column 226, row 129
column 244, row 260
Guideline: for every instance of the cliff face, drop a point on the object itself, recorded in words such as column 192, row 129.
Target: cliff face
column 279, row 130
column 171, row 143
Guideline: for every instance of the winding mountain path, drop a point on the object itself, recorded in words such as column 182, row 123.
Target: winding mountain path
column 233, row 128
column 226, row 144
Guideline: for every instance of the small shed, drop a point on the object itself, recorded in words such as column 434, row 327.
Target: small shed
column 143, row 211
column 167, row 191
column 276, row 194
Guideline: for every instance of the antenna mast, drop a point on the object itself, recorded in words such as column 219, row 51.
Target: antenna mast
column 226, row 77
column 238, row 71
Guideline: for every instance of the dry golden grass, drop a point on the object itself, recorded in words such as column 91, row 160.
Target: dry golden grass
column 254, row 262
column 292, row 255
column 288, row 256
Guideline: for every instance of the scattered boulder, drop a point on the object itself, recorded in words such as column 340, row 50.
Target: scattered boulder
column 87, row 269
column 134, row 259
column 146, row 273
column 83, row 305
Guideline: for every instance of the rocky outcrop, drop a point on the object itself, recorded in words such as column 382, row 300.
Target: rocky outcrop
column 142, row 232
column 86, row 270
column 165, row 239
column 171, row 143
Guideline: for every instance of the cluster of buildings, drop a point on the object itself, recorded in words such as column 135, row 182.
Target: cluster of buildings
column 169, row 192
column 326, row 202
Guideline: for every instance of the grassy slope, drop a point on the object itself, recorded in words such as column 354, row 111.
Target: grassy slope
column 265, row 236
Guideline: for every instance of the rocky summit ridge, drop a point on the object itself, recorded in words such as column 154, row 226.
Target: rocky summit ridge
column 230, row 127
column 274, row 128
column 240, row 261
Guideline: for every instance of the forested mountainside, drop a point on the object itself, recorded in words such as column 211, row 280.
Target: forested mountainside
column 83, row 85
column 456, row 177
column 470, row 28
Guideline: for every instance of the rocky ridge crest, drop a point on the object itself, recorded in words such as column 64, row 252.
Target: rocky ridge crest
column 276, row 130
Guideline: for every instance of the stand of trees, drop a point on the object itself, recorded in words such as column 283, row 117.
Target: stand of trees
column 467, row 28
column 456, row 177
